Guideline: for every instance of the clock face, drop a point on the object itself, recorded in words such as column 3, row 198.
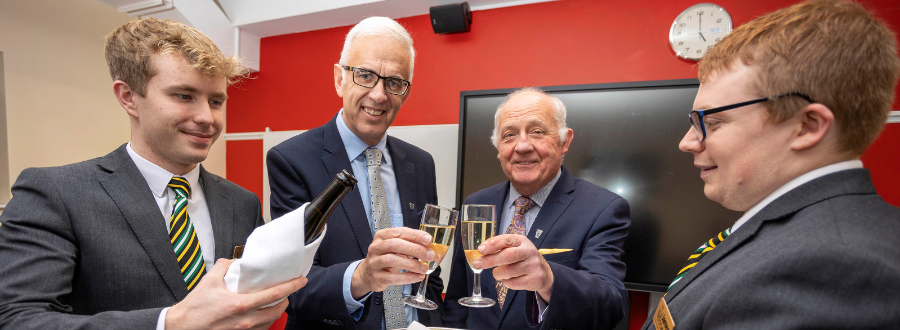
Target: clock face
column 697, row 29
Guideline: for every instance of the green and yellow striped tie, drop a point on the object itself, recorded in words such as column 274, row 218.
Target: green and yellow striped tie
column 699, row 253
column 183, row 237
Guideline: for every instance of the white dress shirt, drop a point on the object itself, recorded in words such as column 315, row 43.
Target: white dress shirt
column 158, row 180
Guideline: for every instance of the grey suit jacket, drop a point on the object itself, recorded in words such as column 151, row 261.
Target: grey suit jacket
column 826, row 255
column 84, row 246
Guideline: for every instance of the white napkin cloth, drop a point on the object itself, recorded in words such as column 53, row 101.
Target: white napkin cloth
column 274, row 254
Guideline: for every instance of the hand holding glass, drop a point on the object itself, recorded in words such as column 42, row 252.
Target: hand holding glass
column 440, row 223
column 477, row 226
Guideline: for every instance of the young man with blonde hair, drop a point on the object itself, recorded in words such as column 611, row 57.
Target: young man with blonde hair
column 130, row 240
column 787, row 104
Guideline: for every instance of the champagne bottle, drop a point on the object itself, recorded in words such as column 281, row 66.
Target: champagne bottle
column 318, row 211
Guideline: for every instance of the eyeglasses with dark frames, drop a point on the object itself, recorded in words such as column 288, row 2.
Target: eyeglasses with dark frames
column 696, row 116
column 369, row 79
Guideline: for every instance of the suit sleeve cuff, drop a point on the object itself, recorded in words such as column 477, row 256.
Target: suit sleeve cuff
column 354, row 307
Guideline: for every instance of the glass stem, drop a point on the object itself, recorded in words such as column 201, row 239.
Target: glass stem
column 422, row 287
column 476, row 289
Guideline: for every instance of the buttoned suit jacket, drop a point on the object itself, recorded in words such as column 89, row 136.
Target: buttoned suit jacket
column 299, row 169
column 825, row 255
column 587, row 290
column 84, row 246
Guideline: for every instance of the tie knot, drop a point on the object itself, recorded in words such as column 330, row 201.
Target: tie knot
column 523, row 204
column 180, row 186
column 373, row 157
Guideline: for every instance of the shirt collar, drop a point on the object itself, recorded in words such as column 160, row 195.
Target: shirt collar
column 354, row 145
column 157, row 177
column 796, row 182
column 538, row 197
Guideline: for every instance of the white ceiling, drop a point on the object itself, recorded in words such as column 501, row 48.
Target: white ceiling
column 237, row 25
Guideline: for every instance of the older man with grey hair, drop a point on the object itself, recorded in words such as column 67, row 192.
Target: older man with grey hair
column 543, row 206
column 359, row 262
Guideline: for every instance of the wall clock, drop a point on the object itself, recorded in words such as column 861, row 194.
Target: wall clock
column 697, row 29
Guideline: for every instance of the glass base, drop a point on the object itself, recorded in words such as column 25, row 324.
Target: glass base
column 476, row 302
column 420, row 303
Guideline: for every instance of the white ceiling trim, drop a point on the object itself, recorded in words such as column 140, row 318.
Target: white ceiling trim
column 236, row 26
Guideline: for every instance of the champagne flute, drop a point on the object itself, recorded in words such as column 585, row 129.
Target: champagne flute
column 477, row 226
column 440, row 223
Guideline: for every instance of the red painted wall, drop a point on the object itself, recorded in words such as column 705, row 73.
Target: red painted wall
column 554, row 43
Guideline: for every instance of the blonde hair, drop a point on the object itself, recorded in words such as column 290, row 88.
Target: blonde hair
column 129, row 48
column 834, row 51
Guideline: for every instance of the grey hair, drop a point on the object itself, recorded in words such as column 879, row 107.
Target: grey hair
column 558, row 107
column 380, row 26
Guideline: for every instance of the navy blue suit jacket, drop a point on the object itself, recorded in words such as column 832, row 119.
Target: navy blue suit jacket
column 299, row 169
column 587, row 290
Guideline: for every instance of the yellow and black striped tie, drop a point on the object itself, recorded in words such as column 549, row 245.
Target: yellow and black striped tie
column 702, row 251
column 183, row 237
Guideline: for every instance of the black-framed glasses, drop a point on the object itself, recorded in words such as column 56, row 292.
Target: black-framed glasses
column 369, row 79
column 696, row 116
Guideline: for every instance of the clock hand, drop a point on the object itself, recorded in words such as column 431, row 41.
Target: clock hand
column 701, row 37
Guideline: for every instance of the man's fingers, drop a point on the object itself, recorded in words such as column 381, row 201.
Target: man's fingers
column 275, row 293
column 409, row 234
column 399, row 278
column 401, row 247
column 506, row 256
column 220, row 268
column 498, row 243
column 264, row 318
column 512, row 270
column 390, row 262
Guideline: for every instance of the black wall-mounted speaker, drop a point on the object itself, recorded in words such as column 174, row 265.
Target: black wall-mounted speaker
column 453, row 18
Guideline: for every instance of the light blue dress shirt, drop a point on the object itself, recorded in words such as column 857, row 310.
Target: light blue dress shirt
column 356, row 148
column 509, row 206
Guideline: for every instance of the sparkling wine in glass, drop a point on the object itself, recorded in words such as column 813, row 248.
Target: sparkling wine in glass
column 477, row 226
column 440, row 223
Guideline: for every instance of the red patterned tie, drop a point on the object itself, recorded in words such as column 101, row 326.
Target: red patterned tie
column 517, row 227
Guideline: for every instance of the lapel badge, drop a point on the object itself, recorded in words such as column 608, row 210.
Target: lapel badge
column 412, row 206
column 537, row 233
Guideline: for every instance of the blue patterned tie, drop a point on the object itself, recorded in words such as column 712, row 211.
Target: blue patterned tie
column 394, row 309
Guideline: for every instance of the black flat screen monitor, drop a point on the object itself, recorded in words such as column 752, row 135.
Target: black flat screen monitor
column 626, row 140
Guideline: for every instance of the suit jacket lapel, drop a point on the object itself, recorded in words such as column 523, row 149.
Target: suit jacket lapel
column 335, row 160
column 839, row 183
column 557, row 202
column 220, row 214
column 128, row 189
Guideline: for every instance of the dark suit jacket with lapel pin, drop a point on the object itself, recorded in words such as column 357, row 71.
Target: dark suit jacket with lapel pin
column 587, row 291
column 85, row 246
column 299, row 169
column 825, row 255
